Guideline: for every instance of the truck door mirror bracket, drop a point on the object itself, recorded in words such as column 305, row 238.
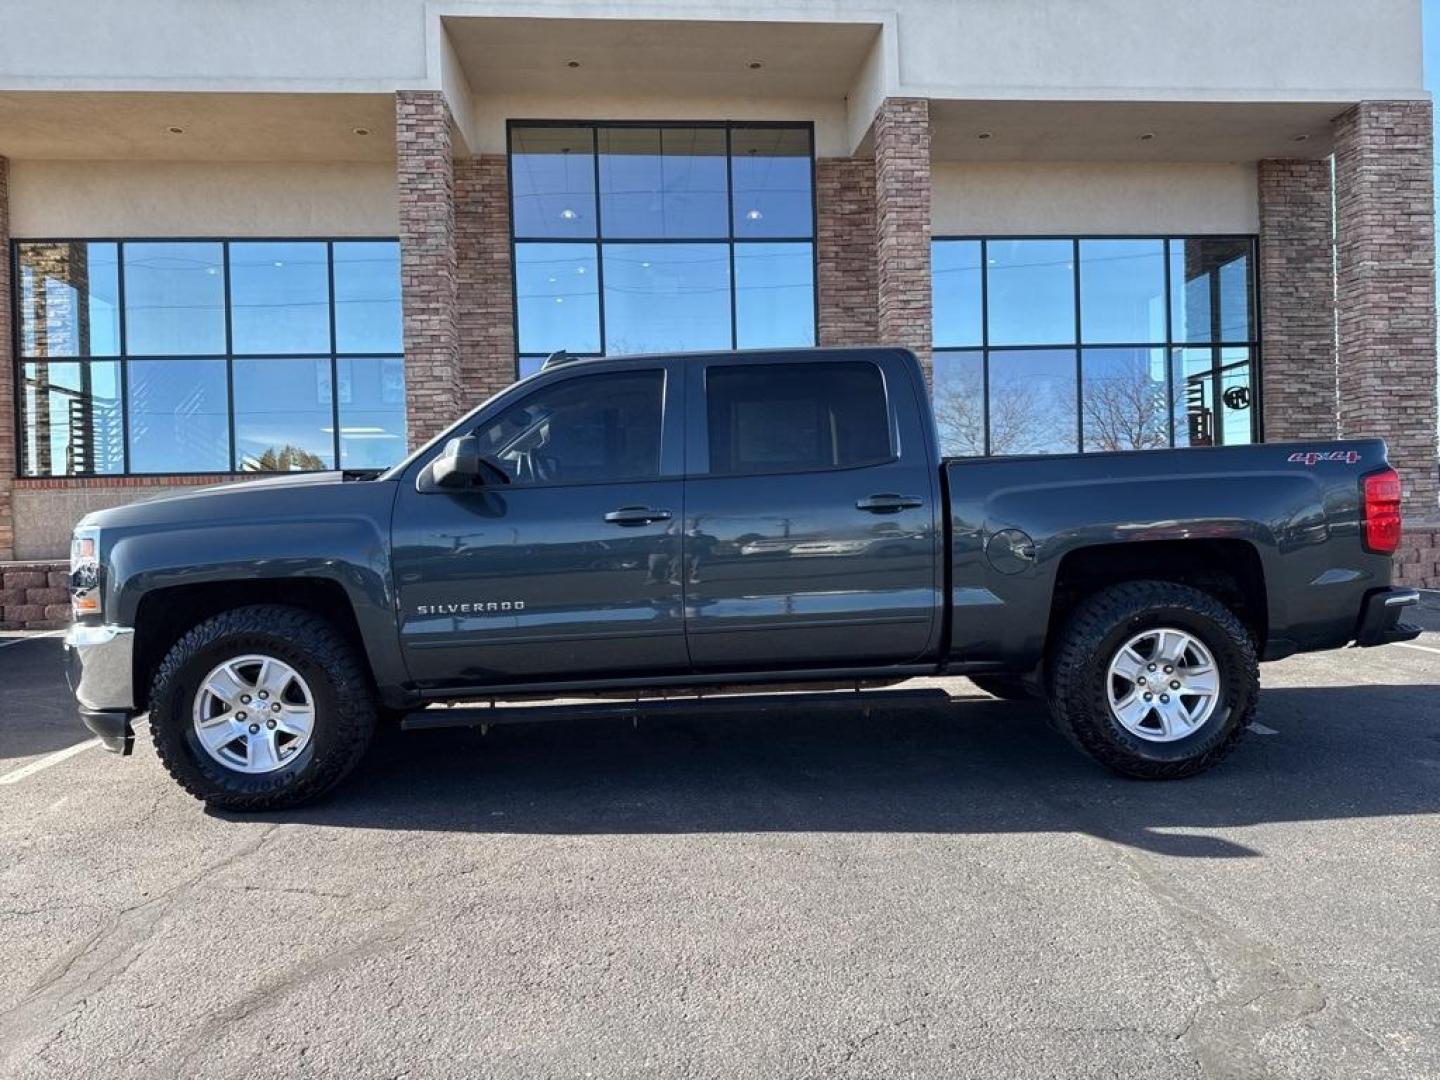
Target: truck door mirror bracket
column 460, row 465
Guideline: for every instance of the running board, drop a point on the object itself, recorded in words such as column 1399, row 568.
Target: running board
column 745, row 704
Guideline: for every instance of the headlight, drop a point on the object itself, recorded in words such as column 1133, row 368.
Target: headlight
column 85, row 572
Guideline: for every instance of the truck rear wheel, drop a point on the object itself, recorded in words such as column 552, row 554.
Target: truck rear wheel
column 261, row 708
column 1154, row 679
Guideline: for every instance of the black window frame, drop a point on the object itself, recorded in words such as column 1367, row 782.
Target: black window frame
column 18, row 359
column 598, row 241
column 1169, row 346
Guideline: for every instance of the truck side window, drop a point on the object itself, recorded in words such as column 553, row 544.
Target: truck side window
column 589, row 429
column 790, row 417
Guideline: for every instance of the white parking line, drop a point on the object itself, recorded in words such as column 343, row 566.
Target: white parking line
column 55, row 757
column 40, row 764
column 1418, row 648
column 32, row 637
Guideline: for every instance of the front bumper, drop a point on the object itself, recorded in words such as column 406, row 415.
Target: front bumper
column 1380, row 617
column 99, row 666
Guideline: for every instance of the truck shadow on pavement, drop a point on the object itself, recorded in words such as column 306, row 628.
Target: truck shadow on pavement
column 978, row 766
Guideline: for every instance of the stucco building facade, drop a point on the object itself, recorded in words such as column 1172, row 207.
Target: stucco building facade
column 239, row 241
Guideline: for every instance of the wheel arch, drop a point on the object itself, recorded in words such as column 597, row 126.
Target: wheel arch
column 1230, row 569
column 163, row 615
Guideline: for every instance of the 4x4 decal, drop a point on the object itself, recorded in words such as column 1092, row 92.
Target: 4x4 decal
column 1314, row 457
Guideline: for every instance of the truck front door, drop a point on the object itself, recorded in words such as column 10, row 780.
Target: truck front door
column 571, row 570
column 812, row 527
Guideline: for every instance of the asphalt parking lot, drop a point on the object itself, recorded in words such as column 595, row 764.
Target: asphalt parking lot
column 928, row 892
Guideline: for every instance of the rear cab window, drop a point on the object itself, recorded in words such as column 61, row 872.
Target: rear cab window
column 777, row 417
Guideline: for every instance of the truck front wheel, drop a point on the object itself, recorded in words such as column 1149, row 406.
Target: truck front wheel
column 1154, row 679
column 261, row 708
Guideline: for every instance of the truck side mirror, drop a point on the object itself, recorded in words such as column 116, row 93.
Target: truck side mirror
column 460, row 465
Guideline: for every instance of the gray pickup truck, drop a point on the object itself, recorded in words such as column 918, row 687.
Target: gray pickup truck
column 706, row 526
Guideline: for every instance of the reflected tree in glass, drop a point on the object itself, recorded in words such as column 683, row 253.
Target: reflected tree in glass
column 960, row 403
column 1032, row 402
column 1126, row 400
column 283, row 418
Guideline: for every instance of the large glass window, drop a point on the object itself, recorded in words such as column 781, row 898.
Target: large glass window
column 1058, row 345
column 636, row 238
column 201, row 356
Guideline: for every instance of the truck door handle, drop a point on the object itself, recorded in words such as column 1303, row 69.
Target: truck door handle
column 888, row 503
column 637, row 515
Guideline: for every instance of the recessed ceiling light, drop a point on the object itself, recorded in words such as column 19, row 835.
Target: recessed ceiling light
column 568, row 215
column 1302, row 138
column 753, row 215
column 176, row 130
column 360, row 131
column 1147, row 136
column 572, row 63
column 755, row 65
column 984, row 135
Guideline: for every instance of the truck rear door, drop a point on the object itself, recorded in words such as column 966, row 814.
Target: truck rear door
column 812, row 518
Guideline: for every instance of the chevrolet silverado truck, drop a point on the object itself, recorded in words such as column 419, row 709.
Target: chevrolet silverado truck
column 725, row 530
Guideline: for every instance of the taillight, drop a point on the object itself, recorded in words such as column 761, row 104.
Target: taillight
column 1381, row 511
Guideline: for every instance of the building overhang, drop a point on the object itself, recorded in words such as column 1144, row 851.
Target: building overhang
column 674, row 58
column 1118, row 131
column 197, row 126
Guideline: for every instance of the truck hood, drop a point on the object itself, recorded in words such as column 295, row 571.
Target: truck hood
column 217, row 502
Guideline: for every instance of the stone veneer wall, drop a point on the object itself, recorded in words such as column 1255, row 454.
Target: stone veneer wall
column 845, row 251
column 486, row 314
column 1417, row 563
column 425, row 192
column 902, row 225
column 1385, row 288
column 34, row 596
column 1297, row 308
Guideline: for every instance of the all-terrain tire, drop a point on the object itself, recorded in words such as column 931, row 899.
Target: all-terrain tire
column 344, row 706
column 1079, row 665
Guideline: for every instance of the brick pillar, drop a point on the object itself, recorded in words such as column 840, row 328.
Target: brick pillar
column 1384, row 212
column 8, row 389
column 845, row 251
column 485, row 315
column 902, row 225
column 426, row 190
column 1297, row 303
